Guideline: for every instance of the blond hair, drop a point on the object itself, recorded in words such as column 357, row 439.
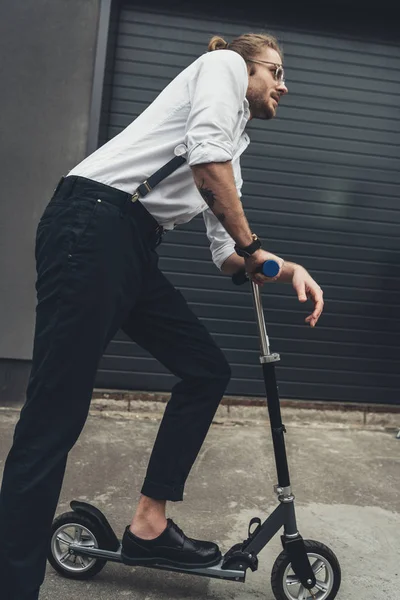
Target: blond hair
column 248, row 45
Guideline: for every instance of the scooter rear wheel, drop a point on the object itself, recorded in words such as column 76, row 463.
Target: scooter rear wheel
column 73, row 528
column 287, row 586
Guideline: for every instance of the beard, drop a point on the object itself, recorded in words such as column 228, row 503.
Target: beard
column 260, row 108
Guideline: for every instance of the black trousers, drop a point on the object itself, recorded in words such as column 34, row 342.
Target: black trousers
column 97, row 272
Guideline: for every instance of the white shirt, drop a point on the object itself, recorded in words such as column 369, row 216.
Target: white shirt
column 202, row 115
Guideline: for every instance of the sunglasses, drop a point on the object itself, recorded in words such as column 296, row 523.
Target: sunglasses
column 278, row 70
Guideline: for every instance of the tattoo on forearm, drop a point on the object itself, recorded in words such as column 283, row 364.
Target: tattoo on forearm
column 209, row 198
column 207, row 194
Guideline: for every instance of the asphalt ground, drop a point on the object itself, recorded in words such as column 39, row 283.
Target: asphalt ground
column 345, row 478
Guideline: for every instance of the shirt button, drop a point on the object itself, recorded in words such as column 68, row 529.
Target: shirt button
column 180, row 150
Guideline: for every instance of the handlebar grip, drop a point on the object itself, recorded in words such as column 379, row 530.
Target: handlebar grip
column 269, row 268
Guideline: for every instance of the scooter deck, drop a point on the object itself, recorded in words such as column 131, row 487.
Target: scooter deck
column 215, row 571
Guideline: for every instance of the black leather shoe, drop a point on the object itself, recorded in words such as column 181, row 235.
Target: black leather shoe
column 171, row 547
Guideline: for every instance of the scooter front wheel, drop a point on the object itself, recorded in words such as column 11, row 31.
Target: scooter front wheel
column 287, row 586
column 79, row 530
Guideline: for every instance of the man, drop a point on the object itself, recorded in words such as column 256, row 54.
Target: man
column 97, row 272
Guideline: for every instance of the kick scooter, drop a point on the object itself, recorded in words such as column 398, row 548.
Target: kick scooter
column 82, row 541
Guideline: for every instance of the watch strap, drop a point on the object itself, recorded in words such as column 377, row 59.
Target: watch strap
column 250, row 249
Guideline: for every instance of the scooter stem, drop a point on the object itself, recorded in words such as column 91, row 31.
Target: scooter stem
column 267, row 360
column 262, row 330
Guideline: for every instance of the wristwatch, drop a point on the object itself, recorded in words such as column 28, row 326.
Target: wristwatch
column 250, row 249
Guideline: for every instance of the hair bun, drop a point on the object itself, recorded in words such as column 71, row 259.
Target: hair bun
column 217, row 43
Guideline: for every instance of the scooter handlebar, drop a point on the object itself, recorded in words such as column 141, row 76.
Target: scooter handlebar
column 269, row 268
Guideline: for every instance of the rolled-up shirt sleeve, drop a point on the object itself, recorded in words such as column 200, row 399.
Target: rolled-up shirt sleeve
column 216, row 101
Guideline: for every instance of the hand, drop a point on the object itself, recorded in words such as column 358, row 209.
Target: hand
column 256, row 260
column 303, row 283
column 306, row 287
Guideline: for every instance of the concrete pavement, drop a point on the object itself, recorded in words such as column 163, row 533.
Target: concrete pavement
column 346, row 480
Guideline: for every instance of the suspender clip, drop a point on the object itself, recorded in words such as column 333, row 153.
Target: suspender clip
column 147, row 185
column 135, row 197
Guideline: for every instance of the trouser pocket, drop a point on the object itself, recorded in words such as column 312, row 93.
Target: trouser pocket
column 63, row 225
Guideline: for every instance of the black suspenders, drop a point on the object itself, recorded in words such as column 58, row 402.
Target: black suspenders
column 146, row 187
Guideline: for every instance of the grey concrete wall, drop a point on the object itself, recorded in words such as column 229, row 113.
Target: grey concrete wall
column 46, row 74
